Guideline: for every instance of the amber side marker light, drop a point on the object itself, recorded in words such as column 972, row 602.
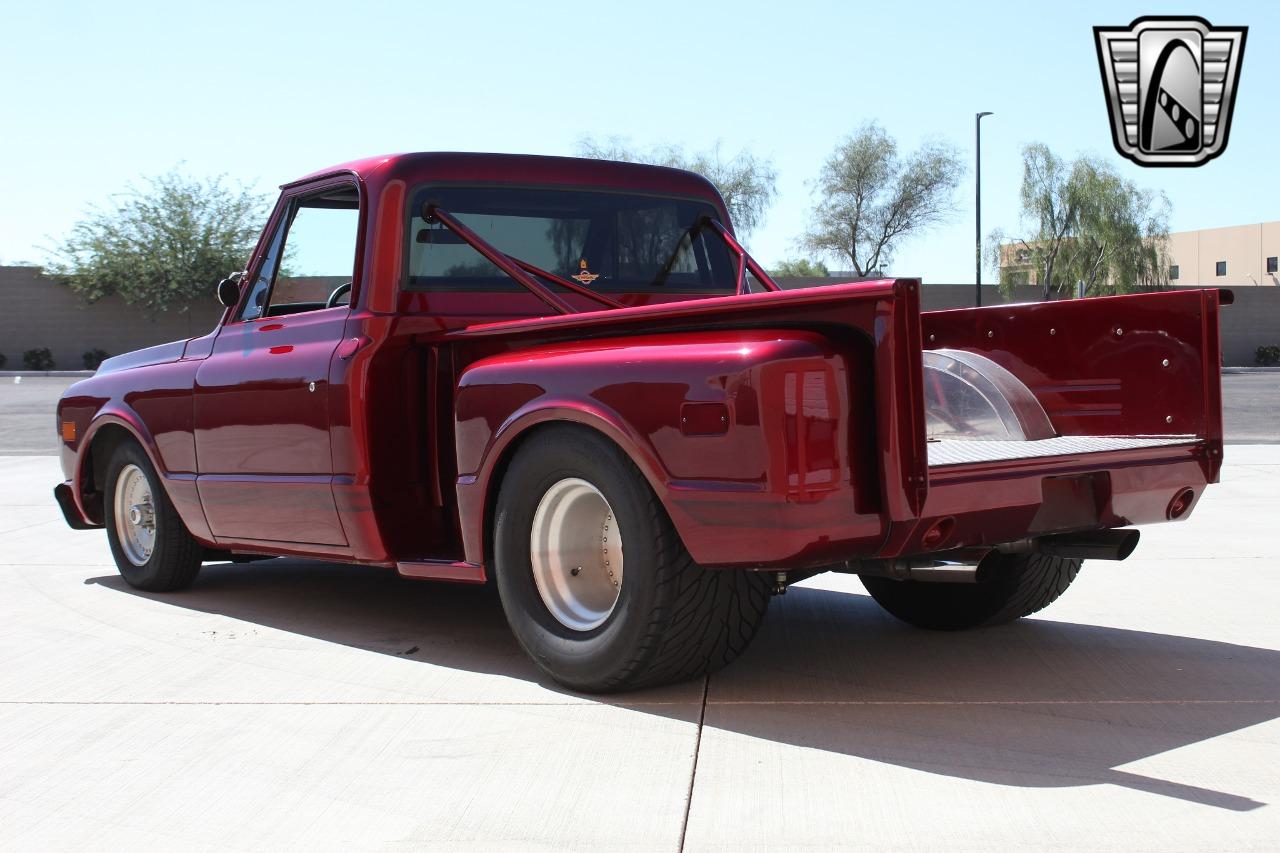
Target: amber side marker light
column 1180, row 504
column 68, row 430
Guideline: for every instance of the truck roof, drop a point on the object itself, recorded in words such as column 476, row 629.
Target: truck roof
column 526, row 169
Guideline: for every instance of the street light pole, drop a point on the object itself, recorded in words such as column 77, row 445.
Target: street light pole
column 977, row 227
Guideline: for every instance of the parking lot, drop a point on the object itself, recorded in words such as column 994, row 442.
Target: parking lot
column 296, row 705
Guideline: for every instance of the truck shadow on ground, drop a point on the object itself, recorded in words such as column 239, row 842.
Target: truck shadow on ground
column 1034, row 704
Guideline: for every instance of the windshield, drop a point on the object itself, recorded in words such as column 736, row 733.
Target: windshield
column 608, row 242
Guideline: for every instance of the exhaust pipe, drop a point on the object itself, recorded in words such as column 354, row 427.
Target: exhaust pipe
column 988, row 565
column 1090, row 545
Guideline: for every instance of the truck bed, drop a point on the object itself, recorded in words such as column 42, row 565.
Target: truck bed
column 944, row 452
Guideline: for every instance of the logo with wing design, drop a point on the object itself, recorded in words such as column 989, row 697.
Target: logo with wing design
column 1170, row 85
column 584, row 276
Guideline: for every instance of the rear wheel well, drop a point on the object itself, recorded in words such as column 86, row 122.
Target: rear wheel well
column 504, row 462
column 660, row 618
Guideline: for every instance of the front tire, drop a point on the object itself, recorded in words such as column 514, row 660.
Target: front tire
column 594, row 580
column 1022, row 585
column 150, row 544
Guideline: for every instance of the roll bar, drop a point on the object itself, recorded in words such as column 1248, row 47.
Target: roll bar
column 745, row 261
column 523, row 272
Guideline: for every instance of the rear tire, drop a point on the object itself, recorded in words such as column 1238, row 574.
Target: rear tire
column 1023, row 584
column 150, row 544
column 668, row 619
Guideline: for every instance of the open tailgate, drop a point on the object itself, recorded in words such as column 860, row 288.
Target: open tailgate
column 1131, row 386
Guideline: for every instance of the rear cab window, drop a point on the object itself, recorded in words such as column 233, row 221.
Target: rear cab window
column 610, row 242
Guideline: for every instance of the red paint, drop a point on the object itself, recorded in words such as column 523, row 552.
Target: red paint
column 779, row 430
column 261, row 419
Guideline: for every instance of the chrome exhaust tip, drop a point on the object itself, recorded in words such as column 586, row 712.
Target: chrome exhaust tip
column 1090, row 545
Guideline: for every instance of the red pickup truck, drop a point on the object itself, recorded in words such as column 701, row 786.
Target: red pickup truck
column 566, row 377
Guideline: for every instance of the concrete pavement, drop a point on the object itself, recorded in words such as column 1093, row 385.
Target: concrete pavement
column 27, row 413
column 1250, row 402
column 288, row 705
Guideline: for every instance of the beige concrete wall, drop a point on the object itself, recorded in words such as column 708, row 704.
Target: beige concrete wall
column 1254, row 319
column 36, row 312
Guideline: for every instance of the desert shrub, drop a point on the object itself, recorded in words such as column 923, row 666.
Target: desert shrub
column 94, row 357
column 1267, row 355
column 38, row 359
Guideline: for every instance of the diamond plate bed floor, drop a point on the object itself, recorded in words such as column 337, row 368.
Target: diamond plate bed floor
column 962, row 452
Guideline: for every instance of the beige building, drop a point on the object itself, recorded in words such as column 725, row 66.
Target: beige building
column 1239, row 256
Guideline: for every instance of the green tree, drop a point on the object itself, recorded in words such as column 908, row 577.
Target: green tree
column 1085, row 223
column 1121, row 242
column 162, row 247
column 746, row 181
column 869, row 197
column 801, row 268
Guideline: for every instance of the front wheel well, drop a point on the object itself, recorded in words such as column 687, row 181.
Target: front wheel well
column 93, row 469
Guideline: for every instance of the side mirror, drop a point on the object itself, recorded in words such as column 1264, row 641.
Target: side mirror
column 229, row 290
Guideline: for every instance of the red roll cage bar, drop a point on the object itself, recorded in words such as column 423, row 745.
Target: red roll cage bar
column 524, row 272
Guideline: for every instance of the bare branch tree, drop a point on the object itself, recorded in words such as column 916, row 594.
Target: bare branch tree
column 869, row 198
column 746, row 181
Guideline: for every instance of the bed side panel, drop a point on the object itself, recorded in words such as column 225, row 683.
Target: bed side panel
column 745, row 435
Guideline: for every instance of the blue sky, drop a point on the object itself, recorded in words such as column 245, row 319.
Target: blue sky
column 98, row 94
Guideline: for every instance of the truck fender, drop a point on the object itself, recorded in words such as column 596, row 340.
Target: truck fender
column 112, row 415
column 180, row 488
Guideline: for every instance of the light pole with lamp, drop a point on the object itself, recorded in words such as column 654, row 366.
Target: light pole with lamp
column 977, row 228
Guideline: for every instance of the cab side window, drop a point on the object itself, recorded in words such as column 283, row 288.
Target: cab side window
column 255, row 305
column 310, row 261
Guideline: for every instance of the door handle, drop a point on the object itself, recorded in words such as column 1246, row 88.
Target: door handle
column 271, row 327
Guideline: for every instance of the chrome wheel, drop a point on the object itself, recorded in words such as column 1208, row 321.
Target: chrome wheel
column 575, row 548
column 135, row 515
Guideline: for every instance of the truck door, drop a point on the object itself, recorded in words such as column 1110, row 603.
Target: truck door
column 261, row 411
